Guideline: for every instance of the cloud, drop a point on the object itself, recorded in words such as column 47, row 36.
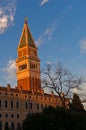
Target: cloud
column 7, row 14
column 9, row 72
column 47, row 35
column 81, row 92
column 69, row 7
column 44, row 2
column 82, row 45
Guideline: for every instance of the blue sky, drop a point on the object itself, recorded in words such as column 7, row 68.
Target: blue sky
column 58, row 28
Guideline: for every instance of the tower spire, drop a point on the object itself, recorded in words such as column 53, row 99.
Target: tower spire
column 26, row 36
column 28, row 62
column 26, row 19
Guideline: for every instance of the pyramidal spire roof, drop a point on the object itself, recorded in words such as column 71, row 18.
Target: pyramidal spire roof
column 26, row 37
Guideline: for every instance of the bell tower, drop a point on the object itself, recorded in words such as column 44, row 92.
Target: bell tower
column 28, row 62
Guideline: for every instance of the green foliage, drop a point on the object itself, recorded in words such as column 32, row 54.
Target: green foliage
column 55, row 119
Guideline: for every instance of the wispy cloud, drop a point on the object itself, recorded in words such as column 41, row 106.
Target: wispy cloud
column 82, row 45
column 48, row 33
column 7, row 14
column 81, row 91
column 9, row 72
column 44, row 2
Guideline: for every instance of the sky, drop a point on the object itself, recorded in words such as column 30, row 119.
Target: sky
column 58, row 28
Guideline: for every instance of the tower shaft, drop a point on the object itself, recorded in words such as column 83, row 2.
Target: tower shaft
column 28, row 62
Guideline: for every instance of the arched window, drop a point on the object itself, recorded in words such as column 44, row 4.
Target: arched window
column 6, row 104
column 34, row 66
column 26, row 105
column 12, row 126
column 17, row 115
column 30, row 106
column 17, row 104
column 0, row 103
column 12, row 104
column 22, row 67
column 31, row 66
column 25, row 66
column 37, row 106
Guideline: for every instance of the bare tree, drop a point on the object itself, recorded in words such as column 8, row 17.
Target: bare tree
column 60, row 80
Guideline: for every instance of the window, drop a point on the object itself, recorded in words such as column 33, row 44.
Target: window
column 0, row 115
column 37, row 106
column 29, row 96
column 36, row 97
column 30, row 105
column 11, row 94
column 11, row 104
column 12, row 116
column 6, row 93
column 6, row 115
column 12, row 126
column 0, row 103
column 6, row 105
column 26, row 104
column 17, row 115
column 26, row 96
column 17, row 104
column 16, row 95
column 22, row 67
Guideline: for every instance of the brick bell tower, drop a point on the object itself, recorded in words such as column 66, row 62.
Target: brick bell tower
column 28, row 62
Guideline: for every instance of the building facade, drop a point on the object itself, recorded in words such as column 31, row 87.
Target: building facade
column 28, row 96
